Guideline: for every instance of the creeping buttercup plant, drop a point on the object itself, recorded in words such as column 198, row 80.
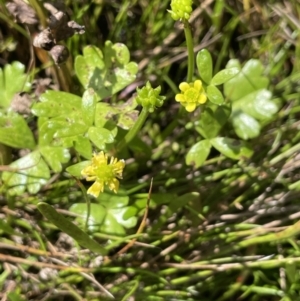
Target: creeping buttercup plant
column 117, row 115
column 98, row 132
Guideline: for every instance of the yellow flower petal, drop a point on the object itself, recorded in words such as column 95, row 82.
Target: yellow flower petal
column 95, row 189
column 179, row 97
column 103, row 172
column 88, row 170
column 192, row 95
column 202, row 98
column 92, row 178
column 190, row 107
column 118, row 168
column 114, row 185
column 198, row 85
column 184, row 86
column 100, row 158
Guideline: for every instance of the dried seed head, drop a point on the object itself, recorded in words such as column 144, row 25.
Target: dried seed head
column 67, row 30
column 22, row 12
column 60, row 28
column 78, row 29
column 57, row 20
column 44, row 40
column 59, row 54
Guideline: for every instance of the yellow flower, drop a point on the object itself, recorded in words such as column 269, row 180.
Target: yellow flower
column 192, row 95
column 103, row 173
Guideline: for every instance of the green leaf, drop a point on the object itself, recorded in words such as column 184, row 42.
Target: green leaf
column 56, row 103
column 110, row 200
column 126, row 114
column 54, row 156
column 214, row 95
column 13, row 296
column 15, row 132
column 46, row 133
column 110, row 215
column 248, row 80
column 224, row 75
column 75, row 170
column 126, row 121
column 73, row 126
column 32, row 174
column 64, row 117
column 118, row 212
column 108, row 73
column 251, row 99
column 212, row 120
column 12, row 80
column 117, row 218
column 104, row 112
column 71, row 229
column 6, row 228
column 198, row 153
column 96, row 216
column 100, row 137
column 204, row 65
column 245, row 126
column 51, row 109
column 63, row 98
column 257, row 104
column 89, row 106
column 123, row 115
column 83, row 146
column 232, row 148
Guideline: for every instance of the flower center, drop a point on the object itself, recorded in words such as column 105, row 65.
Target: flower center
column 191, row 94
column 104, row 173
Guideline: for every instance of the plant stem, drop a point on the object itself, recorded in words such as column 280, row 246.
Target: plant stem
column 190, row 48
column 134, row 130
column 5, row 154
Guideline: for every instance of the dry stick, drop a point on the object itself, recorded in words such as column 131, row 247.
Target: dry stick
column 263, row 264
column 164, row 252
column 90, row 278
column 8, row 258
column 142, row 225
column 27, row 249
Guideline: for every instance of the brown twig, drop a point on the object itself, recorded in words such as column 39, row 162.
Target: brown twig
column 142, row 225
column 14, row 259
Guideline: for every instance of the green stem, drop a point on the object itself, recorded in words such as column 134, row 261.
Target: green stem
column 88, row 204
column 11, row 23
column 5, row 154
column 190, row 48
column 134, row 130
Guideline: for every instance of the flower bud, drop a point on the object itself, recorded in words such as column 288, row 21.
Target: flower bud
column 149, row 98
column 181, row 9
